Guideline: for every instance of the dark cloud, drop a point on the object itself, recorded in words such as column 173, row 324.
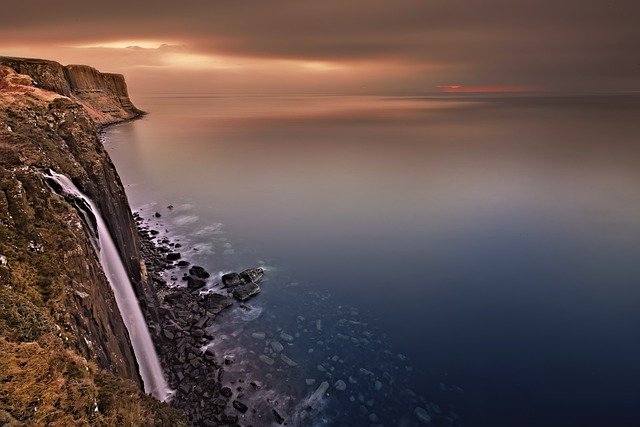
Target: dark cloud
column 571, row 44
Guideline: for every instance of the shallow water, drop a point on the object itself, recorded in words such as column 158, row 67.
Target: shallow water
column 486, row 248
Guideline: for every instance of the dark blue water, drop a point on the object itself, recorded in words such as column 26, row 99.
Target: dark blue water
column 476, row 257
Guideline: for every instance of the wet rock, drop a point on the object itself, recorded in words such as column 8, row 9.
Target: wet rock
column 258, row 335
column 288, row 361
column 229, row 419
column 266, row 359
column 317, row 395
column 195, row 282
column 276, row 346
column 199, row 272
column 215, row 303
column 340, row 385
column 226, row 392
column 252, row 275
column 310, row 381
column 231, row 280
column 246, row 291
column 173, row 256
column 241, row 407
column 279, row 418
column 286, row 337
column 422, row 415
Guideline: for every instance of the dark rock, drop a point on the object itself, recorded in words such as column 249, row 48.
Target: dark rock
column 215, row 303
column 252, row 275
column 170, row 207
column 199, row 272
column 195, row 282
column 157, row 215
column 279, row 418
column 183, row 263
column 229, row 419
column 240, row 406
column 219, row 402
column 246, row 291
column 230, row 280
column 173, row 256
column 226, row 391
column 154, row 232
column 168, row 334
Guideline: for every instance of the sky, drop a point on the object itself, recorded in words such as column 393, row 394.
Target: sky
column 400, row 47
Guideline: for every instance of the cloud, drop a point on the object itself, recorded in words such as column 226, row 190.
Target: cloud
column 568, row 45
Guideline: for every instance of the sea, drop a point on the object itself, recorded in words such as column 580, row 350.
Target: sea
column 437, row 260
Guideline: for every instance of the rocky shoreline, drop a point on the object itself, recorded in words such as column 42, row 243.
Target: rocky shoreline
column 182, row 331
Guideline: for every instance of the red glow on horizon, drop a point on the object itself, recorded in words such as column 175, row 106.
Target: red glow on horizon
column 485, row 89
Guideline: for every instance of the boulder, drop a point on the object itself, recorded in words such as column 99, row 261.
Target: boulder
column 199, row 272
column 173, row 256
column 279, row 418
column 231, row 280
column 246, row 291
column 195, row 282
column 252, row 275
column 216, row 303
column 241, row 407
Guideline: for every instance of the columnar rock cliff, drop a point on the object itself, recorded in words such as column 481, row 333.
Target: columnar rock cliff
column 64, row 350
column 104, row 95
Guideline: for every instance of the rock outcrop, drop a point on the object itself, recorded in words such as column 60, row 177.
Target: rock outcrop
column 54, row 297
column 104, row 95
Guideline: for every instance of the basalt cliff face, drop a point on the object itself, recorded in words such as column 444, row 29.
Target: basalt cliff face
column 65, row 355
column 104, row 95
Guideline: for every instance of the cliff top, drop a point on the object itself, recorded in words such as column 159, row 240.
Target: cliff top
column 104, row 95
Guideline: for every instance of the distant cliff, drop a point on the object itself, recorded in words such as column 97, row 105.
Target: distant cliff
column 65, row 354
column 104, row 95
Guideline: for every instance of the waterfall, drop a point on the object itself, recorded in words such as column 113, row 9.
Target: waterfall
column 145, row 353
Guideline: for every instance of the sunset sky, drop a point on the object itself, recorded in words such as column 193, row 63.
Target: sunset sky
column 337, row 46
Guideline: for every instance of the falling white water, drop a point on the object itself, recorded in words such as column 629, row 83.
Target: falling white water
column 149, row 365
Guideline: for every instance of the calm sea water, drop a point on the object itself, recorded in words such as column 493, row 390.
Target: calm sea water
column 477, row 258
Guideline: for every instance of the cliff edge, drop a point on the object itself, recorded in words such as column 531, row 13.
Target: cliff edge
column 104, row 95
column 65, row 355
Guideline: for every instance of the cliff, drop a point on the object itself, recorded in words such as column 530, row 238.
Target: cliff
column 104, row 95
column 65, row 356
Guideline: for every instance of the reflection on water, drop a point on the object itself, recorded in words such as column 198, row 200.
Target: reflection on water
column 493, row 241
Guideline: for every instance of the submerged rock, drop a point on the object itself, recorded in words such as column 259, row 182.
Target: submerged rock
column 422, row 415
column 340, row 385
column 266, row 359
column 317, row 395
column 288, row 361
